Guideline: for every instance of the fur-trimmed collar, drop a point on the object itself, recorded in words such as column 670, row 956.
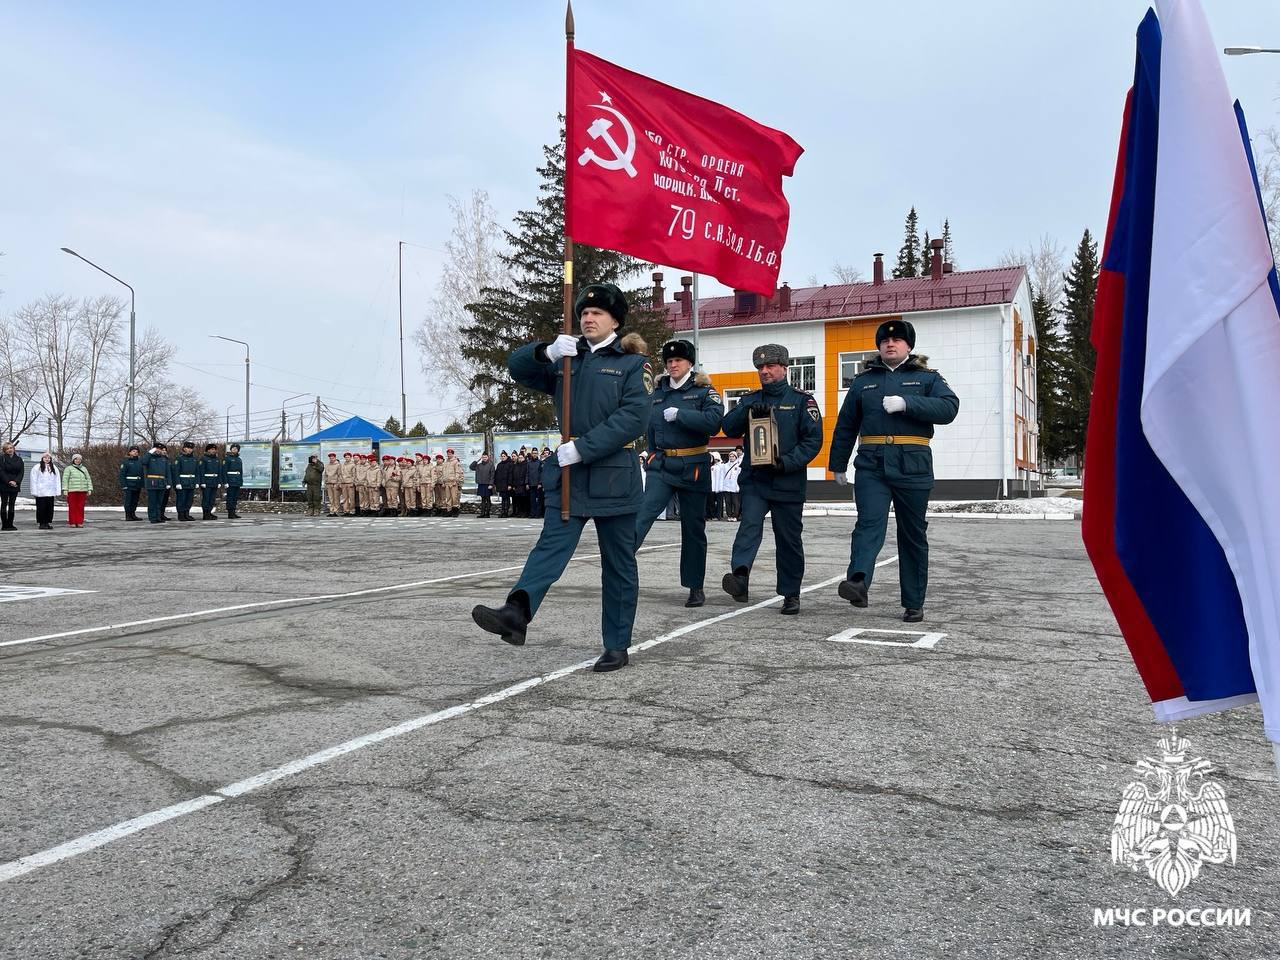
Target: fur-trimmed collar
column 699, row 379
column 633, row 343
column 914, row 361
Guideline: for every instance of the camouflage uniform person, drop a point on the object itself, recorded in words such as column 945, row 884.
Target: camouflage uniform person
column 437, row 486
column 426, row 484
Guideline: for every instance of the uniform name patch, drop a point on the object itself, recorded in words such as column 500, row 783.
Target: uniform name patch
column 870, row 386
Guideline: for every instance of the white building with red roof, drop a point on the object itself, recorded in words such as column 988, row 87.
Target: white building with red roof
column 975, row 327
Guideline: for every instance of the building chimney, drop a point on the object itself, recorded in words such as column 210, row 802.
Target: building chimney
column 659, row 295
column 686, row 296
column 784, row 297
column 935, row 267
column 877, row 270
column 947, row 268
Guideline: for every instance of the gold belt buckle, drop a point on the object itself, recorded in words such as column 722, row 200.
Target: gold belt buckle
column 888, row 439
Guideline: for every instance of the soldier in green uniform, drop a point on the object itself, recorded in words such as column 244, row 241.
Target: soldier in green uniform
column 158, row 476
column 610, row 391
column 778, row 490
column 233, row 477
column 890, row 412
column 686, row 413
column 210, row 480
column 186, row 477
column 131, row 482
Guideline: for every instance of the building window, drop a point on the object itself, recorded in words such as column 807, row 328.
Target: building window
column 803, row 374
column 731, row 398
column 852, row 364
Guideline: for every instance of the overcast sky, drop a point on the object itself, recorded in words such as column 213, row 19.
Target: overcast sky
column 249, row 167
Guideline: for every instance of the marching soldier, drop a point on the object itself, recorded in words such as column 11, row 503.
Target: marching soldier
column 454, row 477
column 391, row 481
column 686, row 413
column 778, row 489
column 347, row 488
column 210, row 480
column 332, row 483
column 132, row 479
column 233, row 476
column 890, row 411
column 186, row 477
column 158, row 474
column 611, row 384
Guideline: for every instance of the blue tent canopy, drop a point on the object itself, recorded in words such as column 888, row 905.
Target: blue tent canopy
column 354, row 429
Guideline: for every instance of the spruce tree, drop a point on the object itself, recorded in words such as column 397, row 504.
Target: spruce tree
column 948, row 254
column 531, row 306
column 908, row 263
column 419, row 430
column 1080, row 289
column 393, row 426
column 1049, row 380
column 926, row 256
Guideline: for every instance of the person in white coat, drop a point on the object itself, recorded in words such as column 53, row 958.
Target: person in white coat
column 715, row 499
column 732, row 499
column 46, row 484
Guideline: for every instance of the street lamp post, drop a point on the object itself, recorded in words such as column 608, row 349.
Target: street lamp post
column 227, row 439
column 133, row 339
column 1245, row 51
column 404, row 408
column 246, row 378
column 283, row 428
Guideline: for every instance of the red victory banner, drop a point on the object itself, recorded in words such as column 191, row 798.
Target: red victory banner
column 673, row 178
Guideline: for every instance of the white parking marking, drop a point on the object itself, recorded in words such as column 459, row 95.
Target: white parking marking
column 924, row 640
column 194, row 614
column 100, row 838
column 10, row 593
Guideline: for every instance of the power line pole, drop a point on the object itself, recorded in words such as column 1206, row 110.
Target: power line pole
column 400, row 290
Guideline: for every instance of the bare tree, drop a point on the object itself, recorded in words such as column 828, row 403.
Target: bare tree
column 100, row 329
column 50, row 337
column 170, row 412
column 1045, row 261
column 846, row 273
column 19, row 387
column 472, row 263
column 1266, row 154
column 152, row 368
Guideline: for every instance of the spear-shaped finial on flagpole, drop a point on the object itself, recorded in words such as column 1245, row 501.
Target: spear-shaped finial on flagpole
column 568, row 20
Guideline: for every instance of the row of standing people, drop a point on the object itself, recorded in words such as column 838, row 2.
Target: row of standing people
column 47, row 483
column 185, row 476
column 358, row 485
column 516, row 479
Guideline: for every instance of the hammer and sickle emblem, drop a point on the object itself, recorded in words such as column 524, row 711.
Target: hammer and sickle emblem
column 599, row 130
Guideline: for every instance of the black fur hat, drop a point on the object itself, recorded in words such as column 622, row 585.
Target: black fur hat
column 681, row 349
column 607, row 297
column 902, row 329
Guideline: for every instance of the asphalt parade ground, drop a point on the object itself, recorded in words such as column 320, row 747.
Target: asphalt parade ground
column 283, row 737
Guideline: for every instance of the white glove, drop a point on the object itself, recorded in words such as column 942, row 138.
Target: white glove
column 567, row 453
column 565, row 345
column 894, row 404
column 670, row 413
column 842, row 479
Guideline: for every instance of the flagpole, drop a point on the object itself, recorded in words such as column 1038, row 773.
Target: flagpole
column 696, row 352
column 566, row 364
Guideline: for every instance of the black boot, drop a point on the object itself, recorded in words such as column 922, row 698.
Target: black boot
column 610, row 660
column 912, row 615
column 206, row 515
column 507, row 621
column 735, row 584
column 790, row 606
column 696, row 598
column 855, row 591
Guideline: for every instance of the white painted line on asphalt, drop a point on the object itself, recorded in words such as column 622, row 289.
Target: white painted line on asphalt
column 924, row 640
column 100, row 838
column 10, row 593
column 194, row 614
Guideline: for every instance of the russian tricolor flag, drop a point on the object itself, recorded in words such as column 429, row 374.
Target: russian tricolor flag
column 1181, row 501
